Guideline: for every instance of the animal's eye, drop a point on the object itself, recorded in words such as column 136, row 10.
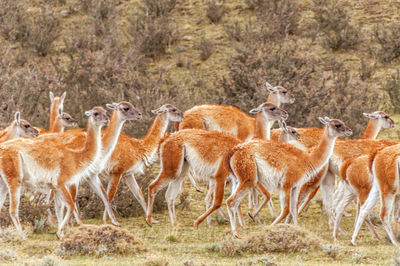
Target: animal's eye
column 284, row 92
column 386, row 117
column 27, row 126
column 68, row 118
column 338, row 125
column 96, row 114
column 272, row 108
column 126, row 109
column 173, row 110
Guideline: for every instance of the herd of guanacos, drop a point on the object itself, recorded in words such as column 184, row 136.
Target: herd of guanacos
column 215, row 144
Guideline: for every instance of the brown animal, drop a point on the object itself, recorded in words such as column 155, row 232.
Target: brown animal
column 271, row 165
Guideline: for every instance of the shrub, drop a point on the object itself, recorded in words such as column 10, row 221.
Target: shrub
column 206, row 48
column 366, row 71
column 151, row 35
column 392, row 88
column 214, row 11
column 331, row 250
column 158, row 8
column 388, row 39
column 334, row 24
column 100, row 240
column 13, row 21
column 43, row 31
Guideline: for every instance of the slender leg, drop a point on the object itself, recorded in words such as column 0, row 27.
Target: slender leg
column 97, row 186
column 14, row 193
column 3, row 192
column 63, row 192
column 386, row 212
column 154, row 187
column 347, row 197
column 309, row 198
column 284, row 197
column 136, row 191
column 267, row 198
column 209, row 198
column 112, row 188
column 293, row 204
column 232, row 202
column 327, row 189
column 170, row 196
column 218, row 197
column 365, row 209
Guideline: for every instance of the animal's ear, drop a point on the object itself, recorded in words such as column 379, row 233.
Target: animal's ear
column 17, row 117
column 159, row 111
column 323, row 120
column 255, row 110
column 88, row 113
column 51, row 95
column 282, row 125
column 370, row 116
column 63, row 97
column 270, row 88
column 112, row 106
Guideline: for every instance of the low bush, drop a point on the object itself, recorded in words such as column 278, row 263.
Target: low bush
column 206, row 48
column 214, row 11
column 388, row 39
column 100, row 240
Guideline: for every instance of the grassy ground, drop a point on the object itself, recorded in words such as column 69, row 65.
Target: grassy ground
column 187, row 244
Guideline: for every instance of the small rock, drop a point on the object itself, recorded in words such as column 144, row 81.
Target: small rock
column 187, row 38
column 182, row 49
column 65, row 13
column 168, row 68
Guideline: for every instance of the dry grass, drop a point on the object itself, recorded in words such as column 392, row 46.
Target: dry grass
column 99, row 240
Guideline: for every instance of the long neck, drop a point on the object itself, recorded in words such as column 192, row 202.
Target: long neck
column 54, row 123
column 93, row 142
column 262, row 127
column 57, row 126
column 372, row 129
column 10, row 132
column 274, row 98
column 321, row 154
column 111, row 135
column 156, row 131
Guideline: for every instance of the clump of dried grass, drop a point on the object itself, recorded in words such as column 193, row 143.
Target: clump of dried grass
column 100, row 240
column 277, row 238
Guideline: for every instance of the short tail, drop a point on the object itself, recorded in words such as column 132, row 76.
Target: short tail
column 371, row 157
column 228, row 157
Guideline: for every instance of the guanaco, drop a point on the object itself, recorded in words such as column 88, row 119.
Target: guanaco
column 271, row 165
column 18, row 128
column 201, row 151
column 228, row 118
column 43, row 163
column 385, row 184
column 131, row 155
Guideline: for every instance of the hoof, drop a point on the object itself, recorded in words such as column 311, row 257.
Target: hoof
column 154, row 221
column 60, row 235
column 148, row 221
column 116, row 223
column 251, row 216
column 236, row 235
column 196, row 225
column 199, row 190
column 354, row 243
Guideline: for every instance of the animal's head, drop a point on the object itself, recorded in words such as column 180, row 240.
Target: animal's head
column 98, row 116
column 289, row 131
column 270, row 111
column 173, row 113
column 281, row 92
column 383, row 118
column 24, row 128
column 336, row 127
column 66, row 119
column 126, row 110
